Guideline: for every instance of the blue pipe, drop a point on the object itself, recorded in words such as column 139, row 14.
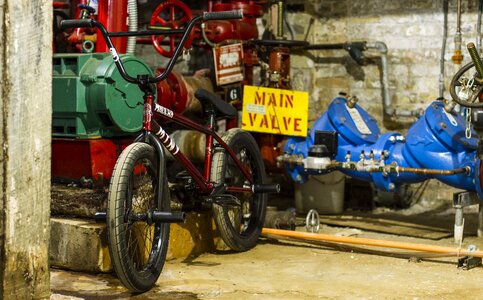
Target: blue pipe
column 435, row 141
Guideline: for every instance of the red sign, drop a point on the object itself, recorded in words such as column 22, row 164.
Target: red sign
column 228, row 63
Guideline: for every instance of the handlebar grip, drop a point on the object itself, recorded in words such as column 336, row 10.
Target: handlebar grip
column 476, row 59
column 64, row 24
column 223, row 15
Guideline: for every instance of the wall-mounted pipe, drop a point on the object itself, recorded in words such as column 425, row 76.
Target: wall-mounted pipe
column 478, row 27
column 457, row 57
column 388, row 107
column 355, row 50
column 443, row 48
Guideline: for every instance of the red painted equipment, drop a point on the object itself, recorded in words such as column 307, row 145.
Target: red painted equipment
column 216, row 31
column 111, row 13
column 88, row 158
column 179, row 15
column 181, row 89
column 245, row 29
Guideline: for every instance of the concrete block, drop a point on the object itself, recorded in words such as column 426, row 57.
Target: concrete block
column 81, row 245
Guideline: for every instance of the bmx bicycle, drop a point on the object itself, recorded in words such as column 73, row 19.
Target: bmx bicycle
column 231, row 180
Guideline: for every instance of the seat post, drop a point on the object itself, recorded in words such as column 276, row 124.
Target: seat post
column 210, row 112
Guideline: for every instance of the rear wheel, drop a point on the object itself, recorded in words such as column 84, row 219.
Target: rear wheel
column 137, row 246
column 239, row 219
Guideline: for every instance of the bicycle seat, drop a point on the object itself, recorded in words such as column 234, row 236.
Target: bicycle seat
column 223, row 107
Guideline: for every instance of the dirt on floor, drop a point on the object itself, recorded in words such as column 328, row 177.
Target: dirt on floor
column 287, row 269
column 281, row 269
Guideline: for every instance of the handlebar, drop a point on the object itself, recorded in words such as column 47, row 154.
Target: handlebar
column 144, row 79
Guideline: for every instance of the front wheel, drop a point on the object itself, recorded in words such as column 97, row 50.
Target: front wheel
column 239, row 220
column 137, row 247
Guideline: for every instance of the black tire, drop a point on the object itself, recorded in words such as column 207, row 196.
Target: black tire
column 239, row 224
column 137, row 248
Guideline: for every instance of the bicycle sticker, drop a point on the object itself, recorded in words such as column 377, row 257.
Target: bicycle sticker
column 114, row 54
column 147, row 113
column 167, row 141
column 164, row 111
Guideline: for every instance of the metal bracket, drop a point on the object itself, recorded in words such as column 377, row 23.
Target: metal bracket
column 461, row 200
column 465, row 199
column 469, row 262
column 312, row 221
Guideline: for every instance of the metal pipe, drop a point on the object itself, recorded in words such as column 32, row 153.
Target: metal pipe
column 132, row 9
column 290, row 28
column 389, row 168
column 388, row 108
column 478, row 27
column 281, row 8
column 457, row 56
column 205, row 38
column 386, row 99
column 443, row 48
column 480, row 220
column 432, row 171
column 370, row 242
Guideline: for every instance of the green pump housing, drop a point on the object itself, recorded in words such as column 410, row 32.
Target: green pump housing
column 90, row 98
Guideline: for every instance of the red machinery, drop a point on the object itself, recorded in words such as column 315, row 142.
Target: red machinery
column 106, row 9
column 97, row 153
column 73, row 159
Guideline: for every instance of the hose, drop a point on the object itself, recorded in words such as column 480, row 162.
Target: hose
column 290, row 28
column 205, row 38
column 132, row 9
column 270, row 232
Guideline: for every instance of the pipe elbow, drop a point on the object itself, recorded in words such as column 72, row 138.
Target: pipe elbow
column 379, row 46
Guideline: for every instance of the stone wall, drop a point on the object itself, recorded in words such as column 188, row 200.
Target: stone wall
column 413, row 33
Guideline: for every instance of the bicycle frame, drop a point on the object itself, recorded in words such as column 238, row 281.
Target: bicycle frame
column 202, row 180
column 150, row 126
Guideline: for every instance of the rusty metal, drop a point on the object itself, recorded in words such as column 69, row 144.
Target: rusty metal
column 177, row 91
column 432, row 171
column 279, row 68
column 113, row 14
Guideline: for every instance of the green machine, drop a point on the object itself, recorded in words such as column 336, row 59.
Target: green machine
column 90, row 98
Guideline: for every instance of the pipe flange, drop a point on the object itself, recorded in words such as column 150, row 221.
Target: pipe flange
column 312, row 221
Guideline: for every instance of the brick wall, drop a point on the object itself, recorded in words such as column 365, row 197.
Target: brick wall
column 413, row 33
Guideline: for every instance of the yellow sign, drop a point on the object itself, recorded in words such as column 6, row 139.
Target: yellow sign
column 276, row 111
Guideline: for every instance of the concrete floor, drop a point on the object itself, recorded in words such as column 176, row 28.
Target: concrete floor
column 289, row 270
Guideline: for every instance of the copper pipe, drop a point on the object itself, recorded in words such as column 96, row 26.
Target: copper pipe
column 398, row 169
column 432, row 171
column 370, row 242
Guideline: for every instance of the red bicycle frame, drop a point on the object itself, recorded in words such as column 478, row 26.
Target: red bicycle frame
column 202, row 180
